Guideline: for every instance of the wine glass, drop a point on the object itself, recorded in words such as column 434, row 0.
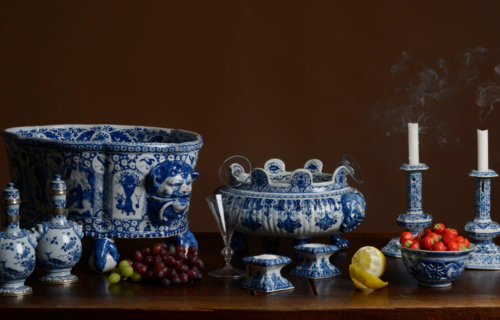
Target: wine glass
column 226, row 222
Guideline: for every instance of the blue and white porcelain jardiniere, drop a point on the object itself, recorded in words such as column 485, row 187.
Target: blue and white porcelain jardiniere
column 435, row 268
column 264, row 273
column 17, row 247
column 315, row 261
column 123, row 181
column 301, row 204
column 59, row 240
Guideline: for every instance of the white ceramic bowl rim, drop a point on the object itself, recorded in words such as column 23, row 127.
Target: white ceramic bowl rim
column 18, row 133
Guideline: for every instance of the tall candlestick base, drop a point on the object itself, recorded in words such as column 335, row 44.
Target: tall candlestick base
column 482, row 230
column 414, row 220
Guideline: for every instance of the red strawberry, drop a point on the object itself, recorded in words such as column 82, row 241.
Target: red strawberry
column 405, row 236
column 467, row 243
column 448, row 237
column 438, row 228
column 420, row 235
column 415, row 246
column 453, row 246
column 451, row 231
column 439, row 246
column 427, row 242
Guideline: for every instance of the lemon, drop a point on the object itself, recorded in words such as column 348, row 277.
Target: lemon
column 369, row 259
column 358, row 284
column 365, row 280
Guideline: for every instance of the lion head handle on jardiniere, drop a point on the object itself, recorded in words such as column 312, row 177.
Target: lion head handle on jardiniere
column 169, row 187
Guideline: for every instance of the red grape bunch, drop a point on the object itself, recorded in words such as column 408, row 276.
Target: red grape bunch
column 161, row 266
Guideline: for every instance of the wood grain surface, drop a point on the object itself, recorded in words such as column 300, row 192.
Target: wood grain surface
column 475, row 295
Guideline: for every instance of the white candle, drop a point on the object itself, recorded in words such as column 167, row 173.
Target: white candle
column 482, row 150
column 413, row 143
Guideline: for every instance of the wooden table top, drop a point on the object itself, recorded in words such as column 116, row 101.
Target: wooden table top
column 475, row 295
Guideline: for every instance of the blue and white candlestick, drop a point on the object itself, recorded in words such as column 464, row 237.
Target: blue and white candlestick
column 414, row 220
column 482, row 230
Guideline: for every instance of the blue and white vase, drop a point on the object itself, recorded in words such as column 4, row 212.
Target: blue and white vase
column 264, row 273
column 17, row 247
column 315, row 261
column 59, row 239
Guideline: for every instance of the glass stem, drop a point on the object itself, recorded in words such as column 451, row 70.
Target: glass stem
column 227, row 252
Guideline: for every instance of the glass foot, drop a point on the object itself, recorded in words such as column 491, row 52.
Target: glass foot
column 228, row 272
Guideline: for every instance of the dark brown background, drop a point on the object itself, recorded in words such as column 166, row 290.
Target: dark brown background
column 287, row 79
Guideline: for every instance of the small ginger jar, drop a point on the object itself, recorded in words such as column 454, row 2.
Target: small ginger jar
column 59, row 239
column 17, row 247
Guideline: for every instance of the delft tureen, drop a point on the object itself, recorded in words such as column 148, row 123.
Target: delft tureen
column 301, row 204
column 123, row 181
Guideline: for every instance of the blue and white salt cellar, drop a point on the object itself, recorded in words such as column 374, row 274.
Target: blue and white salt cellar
column 17, row 247
column 59, row 239
column 315, row 261
column 264, row 273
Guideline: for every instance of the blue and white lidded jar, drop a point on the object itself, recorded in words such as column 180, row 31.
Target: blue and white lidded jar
column 59, row 239
column 17, row 247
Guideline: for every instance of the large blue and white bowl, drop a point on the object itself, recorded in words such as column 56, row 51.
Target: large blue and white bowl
column 435, row 268
column 123, row 181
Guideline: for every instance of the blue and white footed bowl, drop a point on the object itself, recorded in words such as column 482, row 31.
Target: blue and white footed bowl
column 123, row 181
column 301, row 204
column 264, row 273
column 435, row 268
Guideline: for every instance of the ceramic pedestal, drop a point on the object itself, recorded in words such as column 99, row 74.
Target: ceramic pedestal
column 414, row 220
column 264, row 273
column 482, row 230
column 315, row 261
column 17, row 248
